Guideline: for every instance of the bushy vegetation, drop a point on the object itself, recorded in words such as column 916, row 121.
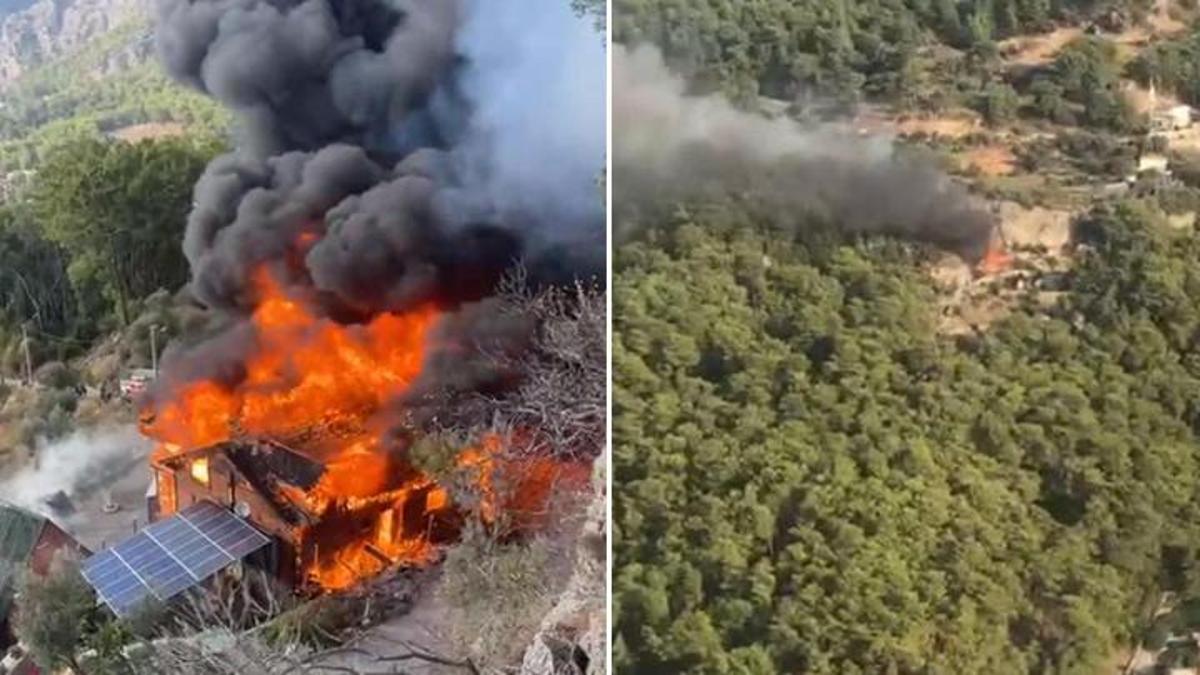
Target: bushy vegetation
column 109, row 83
column 844, row 48
column 498, row 594
column 99, row 234
column 811, row 479
column 54, row 614
column 1081, row 86
column 1174, row 66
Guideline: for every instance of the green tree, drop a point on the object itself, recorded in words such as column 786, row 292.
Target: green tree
column 52, row 613
column 999, row 104
column 811, row 478
column 119, row 210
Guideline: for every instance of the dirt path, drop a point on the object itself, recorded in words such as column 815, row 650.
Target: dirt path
column 990, row 160
column 1037, row 50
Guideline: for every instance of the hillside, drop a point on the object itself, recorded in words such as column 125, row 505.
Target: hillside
column 77, row 68
column 32, row 34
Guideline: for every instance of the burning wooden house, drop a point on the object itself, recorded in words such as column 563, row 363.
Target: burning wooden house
column 291, row 465
column 322, row 534
column 314, row 525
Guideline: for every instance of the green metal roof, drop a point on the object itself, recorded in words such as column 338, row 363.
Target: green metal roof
column 9, row 573
column 19, row 532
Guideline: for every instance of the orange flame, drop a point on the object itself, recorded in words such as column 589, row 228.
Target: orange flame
column 304, row 370
column 306, row 373
column 996, row 259
column 519, row 487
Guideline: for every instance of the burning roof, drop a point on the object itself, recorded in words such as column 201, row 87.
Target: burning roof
column 349, row 248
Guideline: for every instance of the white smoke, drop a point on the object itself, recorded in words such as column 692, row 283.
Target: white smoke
column 671, row 146
column 537, row 84
column 79, row 465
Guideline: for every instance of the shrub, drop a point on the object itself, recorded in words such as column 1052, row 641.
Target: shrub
column 56, row 375
column 51, row 614
column 499, row 593
column 999, row 104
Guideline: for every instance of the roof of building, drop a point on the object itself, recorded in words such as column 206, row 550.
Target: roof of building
column 277, row 463
column 270, row 467
column 19, row 532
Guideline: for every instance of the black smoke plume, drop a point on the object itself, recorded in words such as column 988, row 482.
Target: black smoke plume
column 672, row 146
column 388, row 153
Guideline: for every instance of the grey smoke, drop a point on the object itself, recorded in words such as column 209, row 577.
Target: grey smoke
column 415, row 142
column 556, row 118
column 304, row 74
column 669, row 145
column 78, row 465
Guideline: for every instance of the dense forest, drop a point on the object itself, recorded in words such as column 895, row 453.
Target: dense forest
column 813, row 480
column 775, row 47
column 109, row 83
column 812, row 475
column 928, row 54
column 90, row 226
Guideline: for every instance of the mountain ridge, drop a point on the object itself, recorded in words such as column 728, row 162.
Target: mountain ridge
column 49, row 29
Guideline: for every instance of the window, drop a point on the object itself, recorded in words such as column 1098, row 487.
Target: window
column 200, row 470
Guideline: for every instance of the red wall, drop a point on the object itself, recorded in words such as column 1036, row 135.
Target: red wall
column 50, row 541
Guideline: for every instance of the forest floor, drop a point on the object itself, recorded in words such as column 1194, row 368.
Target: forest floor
column 1037, row 50
column 996, row 159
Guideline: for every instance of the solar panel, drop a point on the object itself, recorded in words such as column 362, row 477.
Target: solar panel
column 171, row 556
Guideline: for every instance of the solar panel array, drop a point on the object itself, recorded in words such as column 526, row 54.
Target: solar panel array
column 170, row 556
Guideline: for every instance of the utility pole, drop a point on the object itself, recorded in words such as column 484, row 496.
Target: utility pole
column 154, row 349
column 28, row 357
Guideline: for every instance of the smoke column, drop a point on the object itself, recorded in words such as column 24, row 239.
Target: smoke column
column 555, row 118
column 669, row 145
column 389, row 152
column 78, row 465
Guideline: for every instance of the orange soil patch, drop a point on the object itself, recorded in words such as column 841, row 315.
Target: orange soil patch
column 1162, row 22
column 1143, row 101
column 950, row 126
column 990, row 160
column 955, row 124
column 149, row 130
column 1038, row 49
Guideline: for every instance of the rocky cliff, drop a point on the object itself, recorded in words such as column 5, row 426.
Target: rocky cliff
column 44, row 29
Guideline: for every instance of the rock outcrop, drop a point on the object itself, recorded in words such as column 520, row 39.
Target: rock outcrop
column 47, row 29
column 572, row 638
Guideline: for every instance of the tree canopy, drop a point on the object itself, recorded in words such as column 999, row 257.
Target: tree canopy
column 118, row 210
column 812, row 479
column 842, row 47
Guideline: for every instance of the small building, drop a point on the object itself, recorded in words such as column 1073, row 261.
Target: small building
column 1173, row 118
column 28, row 542
column 1153, row 162
column 316, row 536
column 1151, row 167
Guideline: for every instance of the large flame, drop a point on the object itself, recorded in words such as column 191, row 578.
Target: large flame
column 331, row 384
column 303, row 371
column 308, row 374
